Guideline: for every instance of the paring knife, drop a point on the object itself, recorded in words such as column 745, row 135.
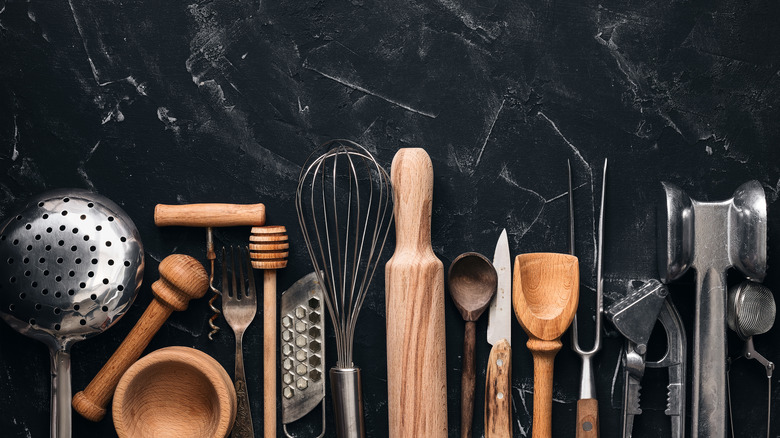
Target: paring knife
column 498, row 384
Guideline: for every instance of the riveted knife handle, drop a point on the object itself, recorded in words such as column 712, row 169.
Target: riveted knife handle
column 498, row 392
column 587, row 418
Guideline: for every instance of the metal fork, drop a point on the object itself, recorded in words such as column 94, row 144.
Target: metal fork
column 239, row 306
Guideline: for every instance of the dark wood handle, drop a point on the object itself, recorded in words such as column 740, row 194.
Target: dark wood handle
column 467, row 381
column 498, row 392
column 209, row 215
column 588, row 418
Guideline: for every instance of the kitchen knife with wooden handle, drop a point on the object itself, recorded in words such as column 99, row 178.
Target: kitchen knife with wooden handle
column 498, row 383
column 414, row 288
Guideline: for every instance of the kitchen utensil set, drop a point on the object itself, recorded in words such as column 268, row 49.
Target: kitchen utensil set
column 73, row 261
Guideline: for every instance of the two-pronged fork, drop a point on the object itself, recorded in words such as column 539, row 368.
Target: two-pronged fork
column 239, row 306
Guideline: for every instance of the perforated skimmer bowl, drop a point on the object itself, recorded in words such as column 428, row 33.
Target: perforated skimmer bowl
column 71, row 262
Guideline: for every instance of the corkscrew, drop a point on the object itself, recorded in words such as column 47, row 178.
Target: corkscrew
column 209, row 216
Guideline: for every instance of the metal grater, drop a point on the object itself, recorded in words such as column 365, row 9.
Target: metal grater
column 303, row 350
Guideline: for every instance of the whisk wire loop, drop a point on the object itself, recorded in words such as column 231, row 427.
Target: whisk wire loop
column 345, row 221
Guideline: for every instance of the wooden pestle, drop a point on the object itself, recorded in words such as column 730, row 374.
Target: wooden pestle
column 268, row 250
column 182, row 278
column 544, row 297
column 414, row 288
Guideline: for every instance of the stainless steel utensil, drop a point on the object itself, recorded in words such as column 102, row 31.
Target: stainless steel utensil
column 71, row 263
column 345, row 209
column 752, row 311
column 239, row 306
column 711, row 237
column 303, row 356
column 587, row 405
column 635, row 316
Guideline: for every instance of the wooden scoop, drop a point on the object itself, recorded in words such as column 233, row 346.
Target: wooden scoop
column 545, row 296
column 472, row 280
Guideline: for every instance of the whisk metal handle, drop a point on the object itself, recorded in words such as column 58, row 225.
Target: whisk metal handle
column 347, row 391
column 412, row 176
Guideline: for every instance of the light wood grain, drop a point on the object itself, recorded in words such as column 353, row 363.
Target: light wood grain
column 498, row 391
column 175, row 392
column 268, row 252
column 544, row 297
column 587, row 418
column 414, row 286
column 209, row 215
column 182, row 278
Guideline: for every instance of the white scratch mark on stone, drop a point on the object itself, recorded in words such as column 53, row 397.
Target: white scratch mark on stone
column 365, row 90
column 301, row 108
column 116, row 113
column 590, row 179
column 487, row 137
column 244, row 55
column 80, row 28
column 15, row 152
column 469, row 20
column 82, row 171
column 504, row 174
column 708, row 150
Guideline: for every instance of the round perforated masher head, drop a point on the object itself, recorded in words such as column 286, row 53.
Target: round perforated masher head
column 71, row 262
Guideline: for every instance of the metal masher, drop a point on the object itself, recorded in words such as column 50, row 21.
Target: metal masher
column 71, row 262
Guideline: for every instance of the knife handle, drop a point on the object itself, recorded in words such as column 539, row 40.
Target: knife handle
column 498, row 392
column 587, row 418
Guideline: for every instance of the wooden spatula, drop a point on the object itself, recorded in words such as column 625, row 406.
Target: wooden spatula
column 545, row 294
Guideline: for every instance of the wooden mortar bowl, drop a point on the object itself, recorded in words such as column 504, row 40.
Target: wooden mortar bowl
column 175, row 392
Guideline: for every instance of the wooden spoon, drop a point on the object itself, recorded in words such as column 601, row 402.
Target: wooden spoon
column 545, row 296
column 473, row 282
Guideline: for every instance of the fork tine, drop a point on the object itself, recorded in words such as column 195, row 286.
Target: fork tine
column 225, row 288
column 236, row 294
column 238, row 264
column 251, row 291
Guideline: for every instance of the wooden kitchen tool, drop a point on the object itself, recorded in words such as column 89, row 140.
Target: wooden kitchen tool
column 175, row 392
column 545, row 297
column 414, row 287
column 268, row 250
column 472, row 281
column 210, row 216
column 182, row 278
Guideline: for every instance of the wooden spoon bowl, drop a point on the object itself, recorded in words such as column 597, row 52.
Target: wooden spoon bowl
column 175, row 392
column 545, row 297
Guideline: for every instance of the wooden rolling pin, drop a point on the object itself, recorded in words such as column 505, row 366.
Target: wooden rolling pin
column 414, row 282
column 209, row 215
column 182, row 278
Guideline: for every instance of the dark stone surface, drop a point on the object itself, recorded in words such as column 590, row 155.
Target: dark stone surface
column 221, row 101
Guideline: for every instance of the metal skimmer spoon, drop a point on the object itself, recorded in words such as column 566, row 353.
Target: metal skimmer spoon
column 751, row 311
column 71, row 262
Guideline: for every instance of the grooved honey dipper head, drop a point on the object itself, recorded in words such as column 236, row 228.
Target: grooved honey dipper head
column 268, row 247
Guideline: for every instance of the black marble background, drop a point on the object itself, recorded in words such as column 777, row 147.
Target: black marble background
column 152, row 102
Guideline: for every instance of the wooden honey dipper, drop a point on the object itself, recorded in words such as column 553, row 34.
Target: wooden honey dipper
column 268, row 250
column 182, row 278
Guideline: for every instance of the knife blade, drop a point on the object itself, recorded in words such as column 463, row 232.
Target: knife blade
column 498, row 383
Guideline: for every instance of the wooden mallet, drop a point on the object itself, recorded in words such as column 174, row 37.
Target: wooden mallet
column 268, row 250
